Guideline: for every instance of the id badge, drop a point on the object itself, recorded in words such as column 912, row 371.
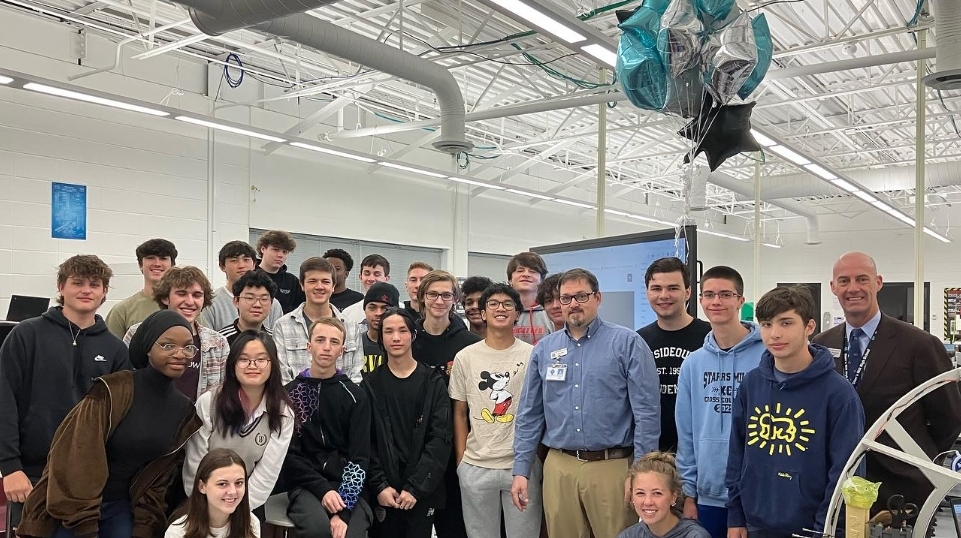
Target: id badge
column 557, row 372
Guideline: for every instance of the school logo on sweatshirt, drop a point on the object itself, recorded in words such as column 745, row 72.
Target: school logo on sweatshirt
column 720, row 388
column 778, row 430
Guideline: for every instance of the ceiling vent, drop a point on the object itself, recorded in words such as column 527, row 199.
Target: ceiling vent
column 947, row 27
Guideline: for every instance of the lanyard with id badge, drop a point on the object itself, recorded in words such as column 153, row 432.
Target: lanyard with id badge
column 557, row 371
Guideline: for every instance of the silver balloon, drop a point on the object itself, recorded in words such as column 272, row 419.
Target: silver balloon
column 679, row 39
column 733, row 60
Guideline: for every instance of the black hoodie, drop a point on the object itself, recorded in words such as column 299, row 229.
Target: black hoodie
column 438, row 351
column 289, row 293
column 330, row 448
column 47, row 364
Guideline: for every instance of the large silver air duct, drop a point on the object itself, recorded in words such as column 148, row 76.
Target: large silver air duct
column 285, row 18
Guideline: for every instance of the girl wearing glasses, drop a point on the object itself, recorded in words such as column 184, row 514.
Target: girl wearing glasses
column 249, row 414
column 114, row 455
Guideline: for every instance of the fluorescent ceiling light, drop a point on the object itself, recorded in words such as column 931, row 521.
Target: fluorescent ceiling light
column 821, row 171
column 476, row 183
column 540, row 20
column 725, row 235
column 790, row 155
column 864, row 196
column 412, row 169
column 772, row 245
column 616, row 212
column 333, row 152
column 229, row 128
column 5, row 80
column 528, row 193
column 936, row 235
column 573, row 203
column 844, row 185
column 60, row 92
column 763, row 139
column 905, row 219
column 602, row 53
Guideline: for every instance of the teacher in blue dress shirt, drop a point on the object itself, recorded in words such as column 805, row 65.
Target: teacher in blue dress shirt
column 592, row 396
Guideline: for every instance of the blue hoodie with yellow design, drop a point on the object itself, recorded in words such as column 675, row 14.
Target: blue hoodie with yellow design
column 791, row 436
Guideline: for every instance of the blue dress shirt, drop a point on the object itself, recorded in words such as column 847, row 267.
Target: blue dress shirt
column 610, row 396
column 869, row 329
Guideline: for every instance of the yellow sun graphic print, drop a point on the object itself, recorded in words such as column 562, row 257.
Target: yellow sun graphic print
column 778, row 431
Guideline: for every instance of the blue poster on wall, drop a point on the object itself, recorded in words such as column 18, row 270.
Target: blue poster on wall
column 69, row 211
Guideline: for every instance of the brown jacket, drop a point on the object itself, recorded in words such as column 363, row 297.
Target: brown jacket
column 901, row 357
column 69, row 492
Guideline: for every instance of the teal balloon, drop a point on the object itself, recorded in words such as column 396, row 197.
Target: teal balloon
column 640, row 72
column 646, row 17
column 717, row 9
column 765, row 50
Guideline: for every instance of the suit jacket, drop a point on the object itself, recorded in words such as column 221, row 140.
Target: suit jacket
column 901, row 358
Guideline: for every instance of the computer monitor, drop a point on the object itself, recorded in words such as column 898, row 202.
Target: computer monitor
column 23, row 307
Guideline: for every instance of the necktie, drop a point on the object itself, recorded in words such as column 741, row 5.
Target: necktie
column 855, row 353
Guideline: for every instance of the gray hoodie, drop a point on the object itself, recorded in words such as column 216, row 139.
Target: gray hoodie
column 685, row 528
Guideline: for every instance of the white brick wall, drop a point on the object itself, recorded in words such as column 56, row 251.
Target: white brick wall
column 142, row 182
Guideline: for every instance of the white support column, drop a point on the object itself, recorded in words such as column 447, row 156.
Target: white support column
column 601, row 160
column 757, row 231
column 919, row 192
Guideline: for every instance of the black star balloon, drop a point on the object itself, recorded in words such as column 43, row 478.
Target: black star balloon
column 720, row 132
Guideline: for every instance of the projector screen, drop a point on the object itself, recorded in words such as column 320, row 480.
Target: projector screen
column 619, row 263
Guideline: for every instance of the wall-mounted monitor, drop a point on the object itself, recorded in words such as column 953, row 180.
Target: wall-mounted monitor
column 619, row 263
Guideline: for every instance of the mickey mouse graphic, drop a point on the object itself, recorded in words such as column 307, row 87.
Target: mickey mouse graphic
column 497, row 383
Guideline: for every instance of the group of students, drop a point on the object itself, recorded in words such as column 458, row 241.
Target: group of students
column 392, row 419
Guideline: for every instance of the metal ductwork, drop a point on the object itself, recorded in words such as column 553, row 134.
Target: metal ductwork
column 285, row 18
column 813, row 228
column 947, row 27
column 892, row 178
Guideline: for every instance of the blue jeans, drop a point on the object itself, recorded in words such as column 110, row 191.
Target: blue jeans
column 115, row 521
column 713, row 519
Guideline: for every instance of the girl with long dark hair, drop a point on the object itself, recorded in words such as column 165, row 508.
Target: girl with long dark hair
column 219, row 505
column 249, row 414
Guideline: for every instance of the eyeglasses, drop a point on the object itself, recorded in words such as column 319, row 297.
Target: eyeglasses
column 494, row 304
column 579, row 297
column 260, row 363
column 724, row 295
column 173, row 349
column 433, row 295
column 263, row 299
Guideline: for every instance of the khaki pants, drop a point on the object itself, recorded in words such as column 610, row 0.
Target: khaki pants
column 584, row 499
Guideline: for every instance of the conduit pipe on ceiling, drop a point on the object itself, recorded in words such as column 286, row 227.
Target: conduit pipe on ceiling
column 813, row 228
column 218, row 16
column 547, row 105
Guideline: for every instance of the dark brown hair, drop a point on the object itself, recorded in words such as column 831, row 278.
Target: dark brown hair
column 531, row 260
column 341, row 255
column 783, row 299
column 276, row 238
column 197, row 524
column 315, row 263
column 235, row 249
column 229, row 415
column 547, row 290
column 373, row 260
column 579, row 274
column 83, row 266
column 182, row 277
column 667, row 265
column 156, row 247
column 726, row 273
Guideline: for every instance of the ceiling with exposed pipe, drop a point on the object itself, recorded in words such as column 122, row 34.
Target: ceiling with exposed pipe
column 842, row 88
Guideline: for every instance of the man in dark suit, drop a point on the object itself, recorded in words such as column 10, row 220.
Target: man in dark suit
column 885, row 358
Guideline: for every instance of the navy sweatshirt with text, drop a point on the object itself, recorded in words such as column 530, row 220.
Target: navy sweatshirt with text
column 790, row 438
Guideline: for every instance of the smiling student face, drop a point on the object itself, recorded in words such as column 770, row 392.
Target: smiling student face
column 224, row 489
